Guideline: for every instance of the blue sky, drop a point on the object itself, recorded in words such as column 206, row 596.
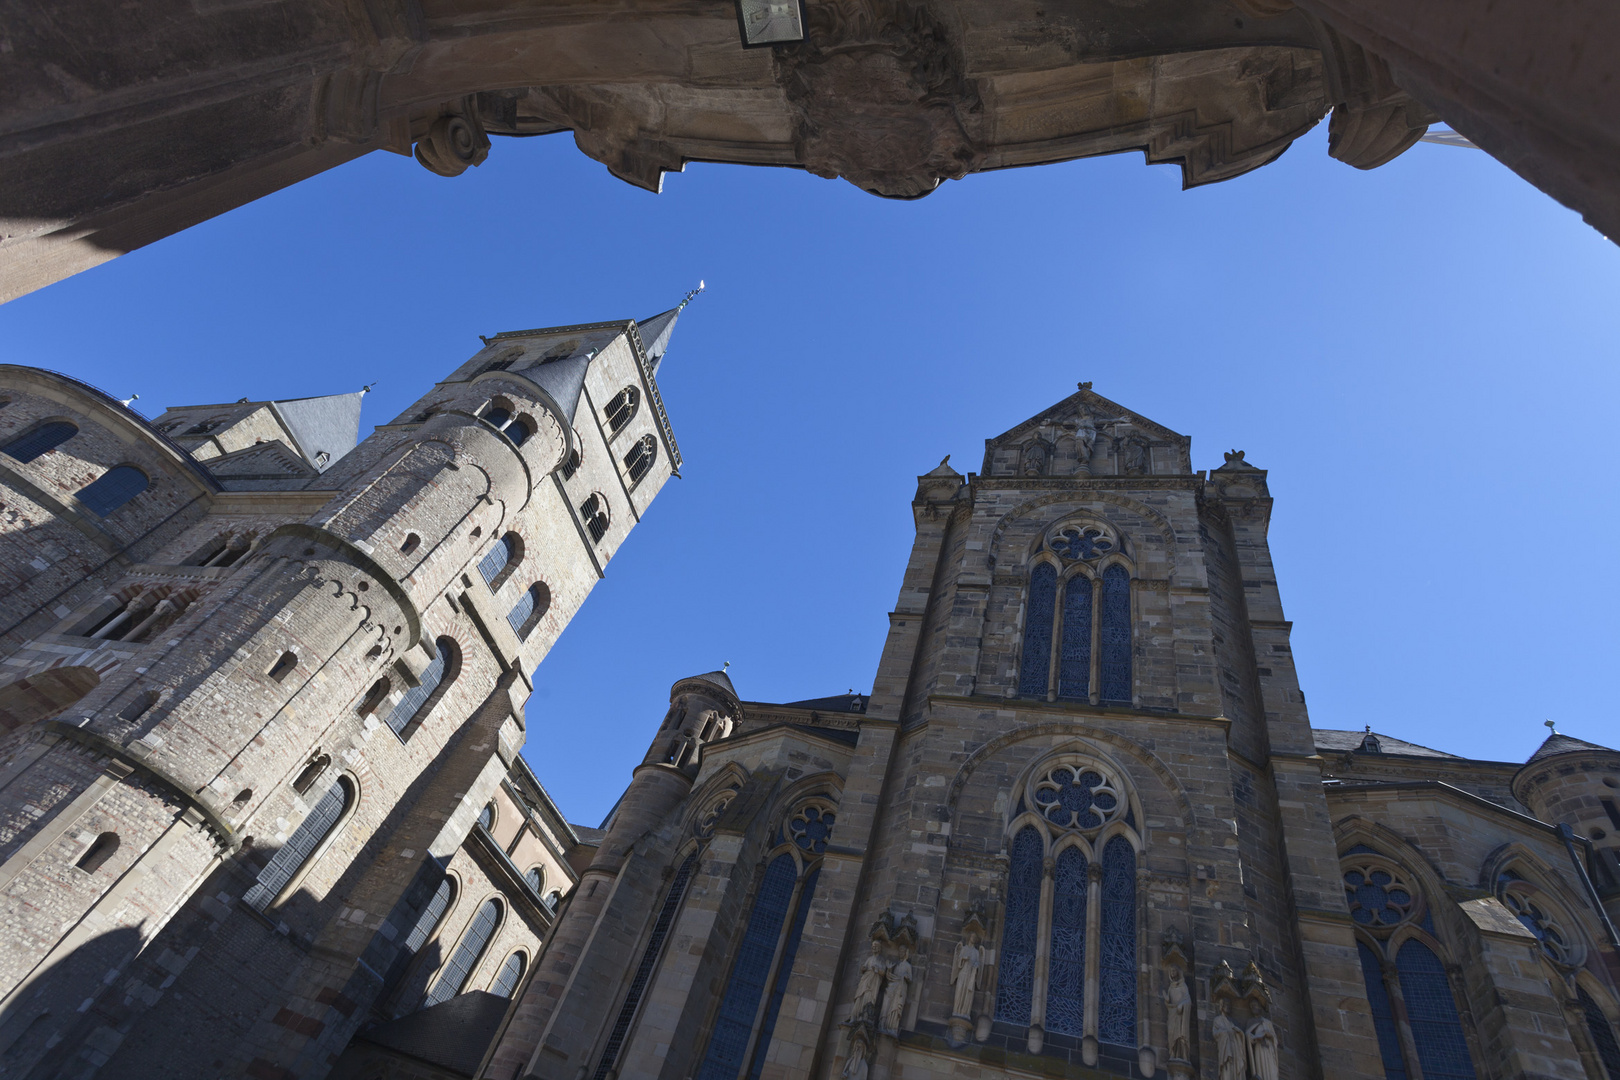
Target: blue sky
column 1423, row 356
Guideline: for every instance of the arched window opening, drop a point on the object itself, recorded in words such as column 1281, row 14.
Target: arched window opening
column 529, row 610
column 1518, row 896
column 317, row 825
column 553, row 898
column 1015, row 979
column 1037, row 660
column 639, row 461
column 594, row 512
column 139, row 707
column 412, row 542
column 428, row 921
column 375, row 696
column 1383, row 1014
column 497, row 415
column 511, row 973
column 453, row 979
column 113, row 489
column 644, row 970
column 486, row 816
column 534, row 878
column 518, row 431
column 416, row 702
column 1115, row 637
column 745, row 989
column 1431, row 1014
column 1603, row 1040
column 571, row 464
column 100, row 850
column 1074, row 657
column 311, row 772
column 1066, row 983
column 622, row 409
column 1116, row 1021
column 42, row 440
column 503, row 558
column 283, row 666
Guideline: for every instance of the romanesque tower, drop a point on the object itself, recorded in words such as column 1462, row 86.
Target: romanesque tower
column 260, row 679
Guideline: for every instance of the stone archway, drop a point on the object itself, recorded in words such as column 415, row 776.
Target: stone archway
column 43, row 695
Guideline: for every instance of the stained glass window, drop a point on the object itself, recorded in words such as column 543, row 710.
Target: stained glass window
column 1015, row 978
column 468, row 952
column 511, row 971
column 1383, row 1015
column 1376, row 896
column 417, row 696
column 1115, row 636
column 1116, row 990
column 304, row 840
column 1038, row 631
column 113, row 489
column 1076, row 798
column 1074, row 653
column 1066, row 982
column 810, row 829
column 735, row 1022
column 644, row 971
column 430, row 915
column 784, row 969
column 1608, row 1050
column 1431, row 1013
column 42, row 440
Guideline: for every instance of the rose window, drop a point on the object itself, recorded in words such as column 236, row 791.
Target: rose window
column 1377, row 898
column 809, row 829
column 1075, row 797
column 1084, row 542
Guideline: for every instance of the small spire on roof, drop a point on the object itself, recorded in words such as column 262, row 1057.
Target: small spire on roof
column 366, row 389
column 130, row 400
column 1548, row 724
column 725, row 667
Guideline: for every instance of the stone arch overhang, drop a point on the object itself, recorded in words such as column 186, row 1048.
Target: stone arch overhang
column 1132, row 749
column 1566, row 899
column 826, row 784
column 1165, row 537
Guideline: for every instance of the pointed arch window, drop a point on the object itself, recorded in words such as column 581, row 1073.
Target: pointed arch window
column 1090, row 620
column 1431, row 1012
column 742, row 1030
column 1602, row 1032
column 638, row 462
column 644, row 971
column 622, row 409
column 304, row 844
column 42, row 440
column 1067, row 961
column 469, row 950
column 1037, row 663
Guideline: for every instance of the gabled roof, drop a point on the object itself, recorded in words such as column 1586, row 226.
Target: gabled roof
column 1099, row 407
column 850, row 703
column 453, row 1034
column 1565, row 744
column 1387, row 744
column 329, row 425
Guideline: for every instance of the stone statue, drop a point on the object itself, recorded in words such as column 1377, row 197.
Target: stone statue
column 1178, row 1006
column 873, row 973
column 1035, row 459
column 1085, row 434
column 1231, row 1053
column 965, row 974
column 856, row 1067
column 894, row 997
column 1262, row 1044
column 1133, row 455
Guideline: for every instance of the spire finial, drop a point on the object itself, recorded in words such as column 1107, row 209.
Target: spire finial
column 725, row 667
column 366, row 389
column 682, row 305
column 1368, row 729
column 130, row 400
column 1548, row 724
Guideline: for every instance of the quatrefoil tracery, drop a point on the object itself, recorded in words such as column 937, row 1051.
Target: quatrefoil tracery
column 1379, row 898
column 810, row 828
column 1077, row 796
column 1083, row 543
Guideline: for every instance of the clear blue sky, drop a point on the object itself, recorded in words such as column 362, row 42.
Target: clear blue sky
column 1423, row 356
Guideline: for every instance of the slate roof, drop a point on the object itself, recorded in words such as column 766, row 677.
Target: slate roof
column 564, row 380
column 718, row 678
column 329, row 424
column 656, row 332
column 851, row 703
column 453, row 1034
column 1327, row 739
column 1565, row 744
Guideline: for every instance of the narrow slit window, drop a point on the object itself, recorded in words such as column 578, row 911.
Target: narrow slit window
column 1037, row 660
column 283, row 666
column 100, row 850
column 1074, row 654
column 1115, row 636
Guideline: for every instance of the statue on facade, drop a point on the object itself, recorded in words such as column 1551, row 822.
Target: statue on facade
column 858, row 1065
column 1262, row 1036
column 894, row 995
column 1086, row 429
column 1133, row 454
column 1035, row 458
column 1178, row 1014
column 965, row 974
column 874, row 971
column 1231, row 1050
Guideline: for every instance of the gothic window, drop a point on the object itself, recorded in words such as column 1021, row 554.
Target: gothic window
column 469, row 950
column 100, row 850
column 302, row 846
column 742, row 1029
column 416, row 702
column 530, row 608
column 1414, row 1010
column 1032, row 680
column 502, row 559
column 428, row 921
column 594, row 512
column 644, row 970
column 113, row 489
column 42, row 440
column 1071, row 905
column 1074, row 661
column 639, row 461
column 1115, row 635
column 486, row 817
column 511, row 973
column 622, row 409
column 1603, row 1040
column 1534, row 912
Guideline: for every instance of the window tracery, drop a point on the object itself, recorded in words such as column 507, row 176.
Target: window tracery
column 1601, row 1031
column 1079, row 594
column 1518, row 895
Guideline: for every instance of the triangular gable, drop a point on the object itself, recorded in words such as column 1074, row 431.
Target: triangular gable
column 1101, row 408
column 327, row 425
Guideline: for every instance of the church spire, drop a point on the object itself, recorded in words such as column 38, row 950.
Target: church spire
column 656, row 331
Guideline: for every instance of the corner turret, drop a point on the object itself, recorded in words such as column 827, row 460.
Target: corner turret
column 1570, row 781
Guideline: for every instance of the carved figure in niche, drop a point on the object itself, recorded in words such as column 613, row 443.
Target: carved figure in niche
column 1262, row 1037
column 874, row 971
column 1086, row 428
column 894, row 997
column 1231, row 1050
column 1178, row 1012
column 1035, row 459
column 1133, row 454
column 857, row 1066
column 965, row 974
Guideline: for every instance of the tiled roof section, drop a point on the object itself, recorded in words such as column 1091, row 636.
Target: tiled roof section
column 1565, row 744
column 718, row 678
column 588, row 835
column 850, row 703
column 1387, row 744
column 452, row 1035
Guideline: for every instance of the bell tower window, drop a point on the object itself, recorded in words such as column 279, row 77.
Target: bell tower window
column 639, row 461
column 594, row 512
column 622, row 409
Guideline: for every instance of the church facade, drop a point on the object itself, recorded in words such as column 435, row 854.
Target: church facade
column 262, row 810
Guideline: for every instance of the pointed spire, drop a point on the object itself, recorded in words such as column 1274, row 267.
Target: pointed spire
column 656, row 331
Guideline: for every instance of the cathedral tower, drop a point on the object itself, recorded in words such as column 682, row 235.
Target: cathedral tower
column 261, row 678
